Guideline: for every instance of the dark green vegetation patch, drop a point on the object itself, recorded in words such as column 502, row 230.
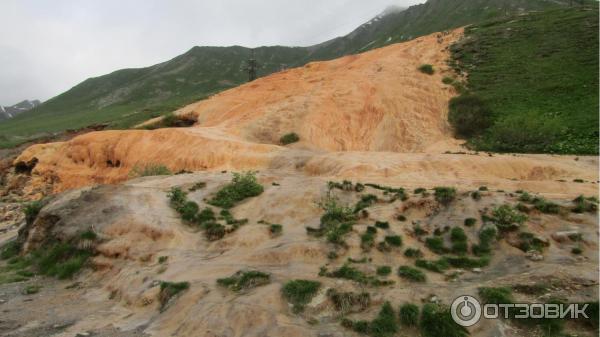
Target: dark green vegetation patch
column 533, row 83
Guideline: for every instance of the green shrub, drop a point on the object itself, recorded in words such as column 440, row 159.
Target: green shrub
column 401, row 218
column 447, row 80
column 476, row 195
column 528, row 242
column 163, row 259
column 445, row 195
column 188, row 211
column 413, row 253
column 243, row 280
column 275, row 229
column 382, row 225
column 350, row 273
column 384, row 325
column 436, row 321
column 150, row 170
column 289, row 138
column 409, row 314
column 384, row 270
column 583, row 204
column 495, row 295
column 394, row 240
column 367, row 240
column 365, row 201
column 546, row 206
column 61, row 260
column 436, row 245
column 32, row 210
column 242, row 186
column 197, row 186
column 300, row 292
column 10, row 250
column 577, row 250
column 411, row 274
column 469, row 115
column 168, row 290
column 507, row 218
column 427, row 69
column 525, row 197
column 470, row 222
column 483, row 188
column 466, row 262
column 177, row 197
column 457, row 234
column 438, row 266
column 420, row 190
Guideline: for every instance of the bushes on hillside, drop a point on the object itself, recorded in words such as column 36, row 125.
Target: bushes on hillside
column 427, row 69
column 242, row 186
column 289, row 138
column 469, row 115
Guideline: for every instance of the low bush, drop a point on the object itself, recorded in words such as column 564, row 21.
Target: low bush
column 496, row 295
column 476, row 195
column 365, row 201
column 438, row 266
column 470, row 222
column 169, row 290
column 466, row 262
column 289, row 138
column 275, row 229
column 445, row 195
column 382, row 225
column 426, row 69
column 61, row 260
column 469, row 115
column 394, row 240
column 10, row 250
column 436, row 245
column 242, row 186
column 409, row 314
column 507, row 218
column 411, row 274
column 384, row 325
column 32, row 210
column 583, row 204
column 244, row 280
column 436, row 321
column 300, row 292
column 413, row 253
column 384, row 270
column 546, row 206
column 529, row 242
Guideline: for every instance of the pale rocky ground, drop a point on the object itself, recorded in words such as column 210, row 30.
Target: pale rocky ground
column 371, row 118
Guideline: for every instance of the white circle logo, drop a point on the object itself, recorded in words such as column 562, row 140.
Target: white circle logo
column 466, row 311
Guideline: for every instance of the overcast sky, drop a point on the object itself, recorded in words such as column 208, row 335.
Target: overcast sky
column 48, row 46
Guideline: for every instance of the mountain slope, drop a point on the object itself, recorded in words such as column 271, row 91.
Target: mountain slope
column 542, row 91
column 128, row 96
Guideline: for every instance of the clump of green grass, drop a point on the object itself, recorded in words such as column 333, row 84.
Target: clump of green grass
column 528, row 242
column 507, row 218
column 163, row 259
column 10, row 250
column 384, row 270
column 244, row 280
column 150, row 170
column 583, row 204
column 487, row 235
column 384, row 325
column 438, row 266
column 169, row 290
column 419, row 190
column 401, row 218
column 469, row 115
column 346, row 302
column 382, row 224
column 413, row 253
column 394, row 240
column 445, row 195
column 411, row 274
column 214, row 231
column 546, row 206
column 466, row 262
column 275, row 229
column 436, row 321
column 436, row 245
column 366, row 200
column 300, row 292
column 289, row 138
column 32, row 210
column 495, row 295
column 350, row 273
column 409, row 314
column 336, row 222
column 459, row 241
column 31, row 289
column 242, row 186
column 447, row 80
column 61, row 260
column 470, row 222
column 426, row 69
column 367, row 240
column 197, row 186
column 476, row 195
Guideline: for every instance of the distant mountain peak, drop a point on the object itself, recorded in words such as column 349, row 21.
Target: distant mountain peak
column 7, row 112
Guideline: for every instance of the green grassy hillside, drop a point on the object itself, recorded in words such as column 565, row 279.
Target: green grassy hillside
column 126, row 97
column 535, row 83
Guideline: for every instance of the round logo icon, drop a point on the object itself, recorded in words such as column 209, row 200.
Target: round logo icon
column 466, row 311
